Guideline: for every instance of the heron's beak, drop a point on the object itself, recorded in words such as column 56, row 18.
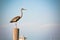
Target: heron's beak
column 23, row 9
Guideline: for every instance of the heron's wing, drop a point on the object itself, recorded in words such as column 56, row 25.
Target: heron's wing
column 15, row 19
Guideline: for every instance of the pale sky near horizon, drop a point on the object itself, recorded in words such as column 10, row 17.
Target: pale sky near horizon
column 40, row 21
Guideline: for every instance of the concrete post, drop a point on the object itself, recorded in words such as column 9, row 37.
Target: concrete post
column 16, row 34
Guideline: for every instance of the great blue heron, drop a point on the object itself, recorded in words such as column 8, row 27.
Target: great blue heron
column 15, row 19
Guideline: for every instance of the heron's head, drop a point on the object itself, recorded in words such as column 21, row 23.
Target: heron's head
column 23, row 9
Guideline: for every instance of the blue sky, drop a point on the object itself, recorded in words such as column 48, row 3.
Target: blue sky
column 40, row 21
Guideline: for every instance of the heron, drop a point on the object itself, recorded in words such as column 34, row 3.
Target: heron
column 15, row 19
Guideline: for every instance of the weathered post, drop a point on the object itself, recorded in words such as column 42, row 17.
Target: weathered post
column 16, row 34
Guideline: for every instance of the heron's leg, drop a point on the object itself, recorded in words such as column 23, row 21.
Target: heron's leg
column 16, row 24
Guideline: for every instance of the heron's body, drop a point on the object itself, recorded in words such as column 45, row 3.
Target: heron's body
column 15, row 19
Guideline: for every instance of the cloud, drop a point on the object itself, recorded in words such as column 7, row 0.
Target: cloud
column 37, row 27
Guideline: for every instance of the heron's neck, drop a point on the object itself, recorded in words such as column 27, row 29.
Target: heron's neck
column 21, row 14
